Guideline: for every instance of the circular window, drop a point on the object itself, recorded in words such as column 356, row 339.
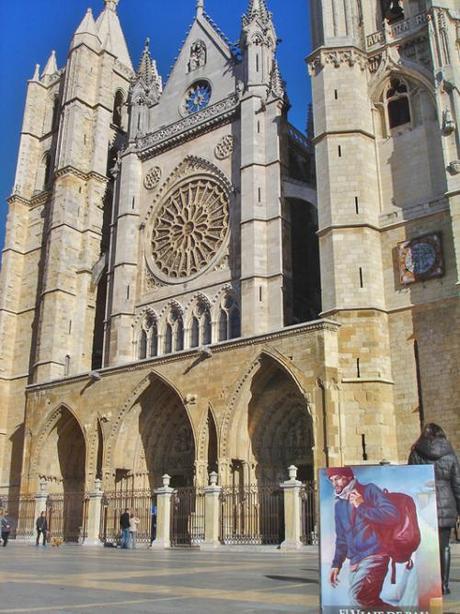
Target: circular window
column 197, row 97
column 189, row 229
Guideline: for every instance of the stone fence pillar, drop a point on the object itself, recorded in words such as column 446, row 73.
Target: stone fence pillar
column 211, row 514
column 164, row 494
column 292, row 527
column 40, row 503
column 94, row 515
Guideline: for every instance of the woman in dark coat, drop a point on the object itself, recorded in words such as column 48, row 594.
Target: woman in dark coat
column 432, row 448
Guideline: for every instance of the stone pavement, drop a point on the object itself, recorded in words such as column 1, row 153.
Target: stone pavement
column 71, row 579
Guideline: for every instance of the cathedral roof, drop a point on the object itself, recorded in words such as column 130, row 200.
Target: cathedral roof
column 110, row 33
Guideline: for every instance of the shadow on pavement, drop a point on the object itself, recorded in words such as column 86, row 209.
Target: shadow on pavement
column 293, row 579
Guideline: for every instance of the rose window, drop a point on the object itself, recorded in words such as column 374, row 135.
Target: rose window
column 190, row 227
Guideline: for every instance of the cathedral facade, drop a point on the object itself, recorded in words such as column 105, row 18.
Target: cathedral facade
column 190, row 284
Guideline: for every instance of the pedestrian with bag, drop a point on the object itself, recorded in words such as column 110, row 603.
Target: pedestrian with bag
column 5, row 528
column 42, row 528
column 124, row 526
column 133, row 522
column 433, row 448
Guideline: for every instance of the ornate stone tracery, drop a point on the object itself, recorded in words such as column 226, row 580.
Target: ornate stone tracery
column 190, row 228
column 224, row 147
column 152, row 179
column 190, row 225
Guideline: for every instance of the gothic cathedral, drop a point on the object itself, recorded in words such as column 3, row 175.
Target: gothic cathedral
column 189, row 284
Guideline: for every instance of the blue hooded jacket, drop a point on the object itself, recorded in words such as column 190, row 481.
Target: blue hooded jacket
column 357, row 529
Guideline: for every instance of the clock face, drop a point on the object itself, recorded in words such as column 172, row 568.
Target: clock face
column 420, row 258
column 197, row 97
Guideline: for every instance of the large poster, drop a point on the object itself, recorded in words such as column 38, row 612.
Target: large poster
column 379, row 540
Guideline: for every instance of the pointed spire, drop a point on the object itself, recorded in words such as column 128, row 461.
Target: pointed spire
column 111, row 4
column 277, row 85
column 147, row 70
column 257, row 9
column 36, row 76
column 51, row 66
column 199, row 8
column 110, row 32
column 87, row 32
column 88, row 25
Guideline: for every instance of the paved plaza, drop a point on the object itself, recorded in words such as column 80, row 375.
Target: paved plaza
column 74, row 578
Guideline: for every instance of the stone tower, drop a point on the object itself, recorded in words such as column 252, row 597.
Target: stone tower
column 385, row 99
column 54, row 273
column 154, row 225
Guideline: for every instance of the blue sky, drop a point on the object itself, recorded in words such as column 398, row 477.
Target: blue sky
column 31, row 29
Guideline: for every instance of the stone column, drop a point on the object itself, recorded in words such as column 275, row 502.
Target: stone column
column 94, row 516
column 211, row 514
column 163, row 538
column 291, row 511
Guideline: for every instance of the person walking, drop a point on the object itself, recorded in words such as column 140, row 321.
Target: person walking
column 433, row 448
column 5, row 527
column 42, row 527
column 133, row 522
column 124, row 526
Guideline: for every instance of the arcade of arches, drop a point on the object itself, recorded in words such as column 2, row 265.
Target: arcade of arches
column 268, row 428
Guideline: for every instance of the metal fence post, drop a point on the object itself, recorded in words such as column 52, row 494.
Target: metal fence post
column 164, row 494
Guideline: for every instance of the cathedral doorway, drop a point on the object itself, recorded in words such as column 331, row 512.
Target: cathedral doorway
column 62, row 467
column 271, row 429
column 155, row 438
column 279, row 426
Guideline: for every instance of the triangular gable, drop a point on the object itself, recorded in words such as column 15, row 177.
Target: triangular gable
column 218, row 68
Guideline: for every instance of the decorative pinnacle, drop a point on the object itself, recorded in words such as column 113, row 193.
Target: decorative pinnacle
column 111, row 4
column 199, row 7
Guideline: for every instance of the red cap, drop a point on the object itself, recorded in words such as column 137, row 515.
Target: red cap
column 345, row 471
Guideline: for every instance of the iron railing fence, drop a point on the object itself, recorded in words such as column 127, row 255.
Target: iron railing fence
column 187, row 516
column 308, row 513
column 67, row 516
column 20, row 510
column 141, row 503
column 252, row 515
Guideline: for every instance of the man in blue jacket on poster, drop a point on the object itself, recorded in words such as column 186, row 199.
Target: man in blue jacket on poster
column 362, row 511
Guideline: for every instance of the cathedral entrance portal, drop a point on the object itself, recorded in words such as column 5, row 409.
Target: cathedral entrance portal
column 155, row 438
column 62, row 466
column 271, row 430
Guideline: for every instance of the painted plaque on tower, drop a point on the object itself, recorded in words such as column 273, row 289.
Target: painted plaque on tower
column 379, row 540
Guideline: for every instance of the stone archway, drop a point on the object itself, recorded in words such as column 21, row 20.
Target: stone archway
column 61, row 463
column 272, row 428
column 155, row 437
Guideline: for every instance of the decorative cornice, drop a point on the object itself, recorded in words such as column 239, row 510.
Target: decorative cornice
column 336, row 56
column 184, row 128
column 71, row 170
column 223, row 346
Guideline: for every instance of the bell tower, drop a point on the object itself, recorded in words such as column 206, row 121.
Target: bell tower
column 384, row 116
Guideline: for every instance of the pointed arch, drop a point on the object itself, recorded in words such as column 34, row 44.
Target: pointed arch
column 47, row 425
column 128, row 405
column 242, row 388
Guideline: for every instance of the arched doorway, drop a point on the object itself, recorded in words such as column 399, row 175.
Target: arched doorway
column 270, row 430
column 62, row 467
column 279, row 425
column 155, row 438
